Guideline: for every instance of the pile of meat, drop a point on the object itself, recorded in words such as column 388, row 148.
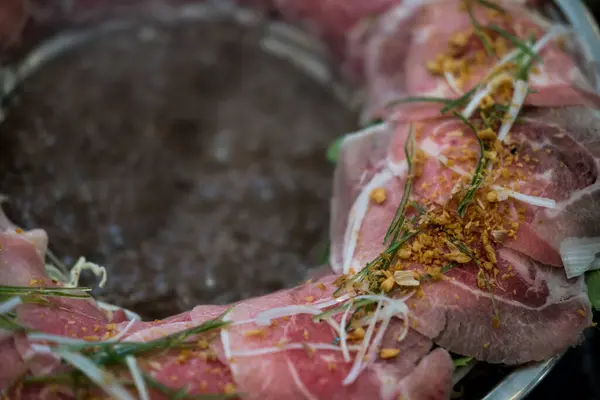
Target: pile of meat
column 274, row 348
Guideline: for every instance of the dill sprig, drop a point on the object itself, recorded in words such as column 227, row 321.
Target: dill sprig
column 478, row 176
column 417, row 206
column 478, row 30
column 334, row 149
column 399, row 217
column 459, row 102
column 492, row 6
column 115, row 353
column 30, row 291
column 384, row 260
column 518, row 43
column 461, row 361
column 421, row 99
column 333, row 311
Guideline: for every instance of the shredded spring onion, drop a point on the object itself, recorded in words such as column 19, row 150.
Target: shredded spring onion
column 343, row 333
column 580, row 255
column 288, row 346
column 362, row 352
column 10, row 305
column 82, row 265
column 266, row 317
column 483, row 92
column 128, row 313
column 519, row 94
column 452, row 82
column 105, row 380
column 525, row 198
column 137, row 376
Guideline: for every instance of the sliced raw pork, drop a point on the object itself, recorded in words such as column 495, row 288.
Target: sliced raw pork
column 550, row 154
column 409, row 37
column 293, row 357
column 341, row 24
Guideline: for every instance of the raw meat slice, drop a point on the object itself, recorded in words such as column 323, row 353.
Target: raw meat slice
column 218, row 364
column 532, row 300
column 289, row 358
column 338, row 23
column 406, row 39
column 548, row 161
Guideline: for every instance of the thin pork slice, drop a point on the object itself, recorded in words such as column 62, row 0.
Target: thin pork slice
column 279, row 363
column 539, row 312
column 408, row 38
column 274, row 356
column 339, row 24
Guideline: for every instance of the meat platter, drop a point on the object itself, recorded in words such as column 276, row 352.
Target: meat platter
column 496, row 275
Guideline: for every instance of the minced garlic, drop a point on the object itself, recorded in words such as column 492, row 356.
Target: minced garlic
column 388, row 353
column 378, row 195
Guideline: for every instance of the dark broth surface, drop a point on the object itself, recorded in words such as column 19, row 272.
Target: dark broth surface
column 182, row 157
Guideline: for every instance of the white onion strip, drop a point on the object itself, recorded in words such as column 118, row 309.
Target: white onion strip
column 289, row 346
column 431, row 148
column 343, row 333
column 525, row 198
column 520, row 92
column 452, row 83
column 482, row 92
column 579, row 255
column 360, row 356
column 107, row 381
column 10, row 305
column 138, row 379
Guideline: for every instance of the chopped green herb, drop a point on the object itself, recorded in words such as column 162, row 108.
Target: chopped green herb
column 461, row 101
column 397, row 224
column 518, row 43
column 417, row 206
column 333, row 152
column 336, row 310
column 462, row 361
column 592, row 279
column 28, row 291
column 478, row 176
column 479, row 32
column 492, row 5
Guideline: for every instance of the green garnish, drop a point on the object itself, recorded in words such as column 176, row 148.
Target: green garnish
column 489, row 49
column 491, row 5
column 461, row 101
column 338, row 309
column 333, row 152
column 462, row 361
column 399, row 218
column 478, row 176
column 115, row 353
column 29, row 291
column 417, row 206
column 420, row 99
column 518, row 43
column 592, row 279
column 384, row 259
